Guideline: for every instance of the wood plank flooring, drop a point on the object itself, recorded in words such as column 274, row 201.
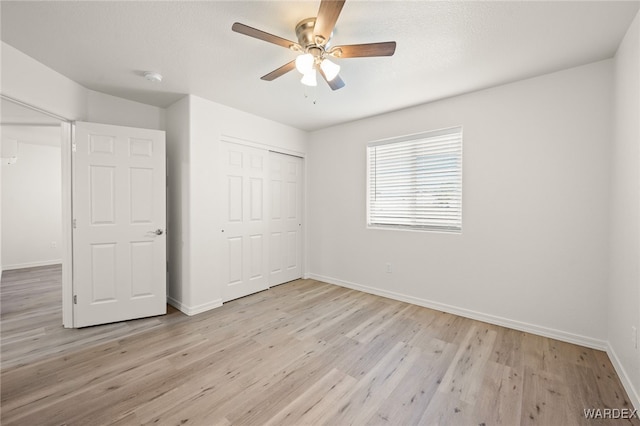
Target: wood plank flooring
column 301, row 353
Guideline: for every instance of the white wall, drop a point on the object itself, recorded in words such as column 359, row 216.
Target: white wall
column 624, row 284
column 29, row 81
column 31, row 216
column 107, row 109
column 533, row 251
column 200, row 221
column 178, row 243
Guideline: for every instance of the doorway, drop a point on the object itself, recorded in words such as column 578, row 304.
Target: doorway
column 35, row 191
column 119, row 160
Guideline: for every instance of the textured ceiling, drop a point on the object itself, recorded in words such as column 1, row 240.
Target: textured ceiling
column 443, row 49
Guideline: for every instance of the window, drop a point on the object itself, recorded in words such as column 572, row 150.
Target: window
column 415, row 182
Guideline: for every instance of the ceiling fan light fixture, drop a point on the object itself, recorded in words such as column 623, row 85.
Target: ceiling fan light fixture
column 330, row 69
column 309, row 78
column 304, row 63
column 314, row 46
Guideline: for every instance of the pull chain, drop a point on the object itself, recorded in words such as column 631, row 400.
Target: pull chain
column 310, row 93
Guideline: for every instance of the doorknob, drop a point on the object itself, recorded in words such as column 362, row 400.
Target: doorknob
column 158, row 232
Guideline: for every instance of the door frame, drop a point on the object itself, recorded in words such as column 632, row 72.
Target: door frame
column 68, row 320
column 66, row 138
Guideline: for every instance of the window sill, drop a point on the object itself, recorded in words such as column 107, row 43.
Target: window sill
column 414, row 229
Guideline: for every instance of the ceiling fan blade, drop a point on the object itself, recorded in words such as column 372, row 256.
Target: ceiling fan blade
column 261, row 35
column 386, row 48
column 327, row 16
column 335, row 84
column 280, row 71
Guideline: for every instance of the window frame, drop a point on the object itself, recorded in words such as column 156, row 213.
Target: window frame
column 370, row 224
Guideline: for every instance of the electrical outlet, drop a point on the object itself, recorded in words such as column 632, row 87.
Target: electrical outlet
column 634, row 337
column 389, row 269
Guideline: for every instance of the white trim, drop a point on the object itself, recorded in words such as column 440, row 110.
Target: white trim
column 34, row 108
column 305, row 219
column 627, row 384
column 420, row 135
column 67, row 230
column 194, row 310
column 467, row 313
column 261, row 145
column 32, row 264
column 413, row 229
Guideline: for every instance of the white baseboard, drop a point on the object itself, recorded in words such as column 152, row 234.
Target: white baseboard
column 31, row 264
column 467, row 313
column 194, row 310
column 634, row 394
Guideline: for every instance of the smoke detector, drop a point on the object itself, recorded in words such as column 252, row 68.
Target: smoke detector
column 152, row 76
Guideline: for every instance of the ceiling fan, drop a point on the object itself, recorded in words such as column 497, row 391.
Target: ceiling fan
column 314, row 47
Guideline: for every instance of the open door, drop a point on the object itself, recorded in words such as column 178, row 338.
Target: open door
column 119, row 223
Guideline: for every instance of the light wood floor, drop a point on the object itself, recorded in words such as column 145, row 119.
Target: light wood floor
column 301, row 353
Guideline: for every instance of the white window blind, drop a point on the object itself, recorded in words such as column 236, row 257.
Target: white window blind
column 416, row 181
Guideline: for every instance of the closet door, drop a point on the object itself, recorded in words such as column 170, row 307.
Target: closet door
column 244, row 225
column 285, row 218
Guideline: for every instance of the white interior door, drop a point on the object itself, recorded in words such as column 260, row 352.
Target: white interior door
column 285, row 219
column 244, row 228
column 119, row 215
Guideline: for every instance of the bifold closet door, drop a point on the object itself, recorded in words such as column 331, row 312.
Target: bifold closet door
column 285, row 218
column 244, row 224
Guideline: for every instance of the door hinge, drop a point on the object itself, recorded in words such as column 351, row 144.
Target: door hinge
column 73, row 147
column 75, row 299
column 74, row 224
column 167, row 266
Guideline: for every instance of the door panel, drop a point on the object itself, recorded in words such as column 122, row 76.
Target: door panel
column 285, row 222
column 244, row 228
column 141, row 269
column 119, row 262
column 102, row 195
column 103, row 268
column 141, row 180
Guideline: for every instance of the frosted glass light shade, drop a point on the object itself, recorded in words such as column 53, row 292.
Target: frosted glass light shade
column 304, row 63
column 309, row 79
column 330, row 69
